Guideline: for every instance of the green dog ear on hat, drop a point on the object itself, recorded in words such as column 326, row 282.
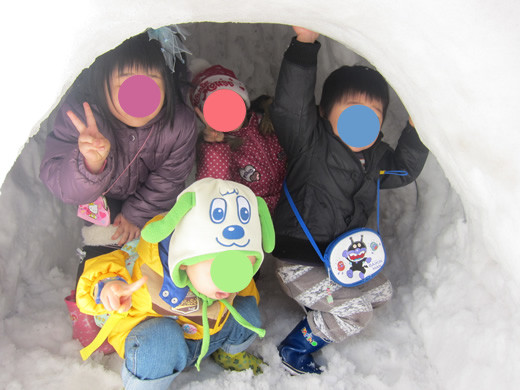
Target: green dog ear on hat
column 159, row 230
column 268, row 236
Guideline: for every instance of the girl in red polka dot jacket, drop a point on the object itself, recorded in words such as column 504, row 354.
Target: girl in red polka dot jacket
column 251, row 154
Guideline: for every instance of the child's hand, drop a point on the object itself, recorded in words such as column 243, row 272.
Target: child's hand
column 211, row 135
column 126, row 230
column 208, row 133
column 117, row 295
column 304, row 35
column 92, row 144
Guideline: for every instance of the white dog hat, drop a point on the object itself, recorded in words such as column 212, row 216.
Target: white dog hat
column 218, row 219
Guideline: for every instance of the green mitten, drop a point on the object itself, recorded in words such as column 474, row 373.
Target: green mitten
column 238, row 362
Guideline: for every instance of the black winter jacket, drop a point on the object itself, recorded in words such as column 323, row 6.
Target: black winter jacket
column 330, row 187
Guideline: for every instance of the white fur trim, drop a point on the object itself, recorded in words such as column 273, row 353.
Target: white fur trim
column 98, row 235
column 198, row 65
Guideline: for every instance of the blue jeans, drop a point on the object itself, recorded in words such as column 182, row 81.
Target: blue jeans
column 156, row 350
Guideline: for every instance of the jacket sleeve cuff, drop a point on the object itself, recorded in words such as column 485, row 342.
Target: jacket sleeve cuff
column 98, row 178
column 102, row 167
column 301, row 53
column 99, row 287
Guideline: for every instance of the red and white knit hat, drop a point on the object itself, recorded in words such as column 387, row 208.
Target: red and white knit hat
column 212, row 79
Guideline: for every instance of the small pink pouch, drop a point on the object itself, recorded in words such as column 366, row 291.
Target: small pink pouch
column 84, row 327
column 96, row 212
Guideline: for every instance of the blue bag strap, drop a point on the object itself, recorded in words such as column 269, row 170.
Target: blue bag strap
column 304, row 226
column 302, row 223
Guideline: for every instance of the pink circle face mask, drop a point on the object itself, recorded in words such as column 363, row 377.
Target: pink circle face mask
column 139, row 96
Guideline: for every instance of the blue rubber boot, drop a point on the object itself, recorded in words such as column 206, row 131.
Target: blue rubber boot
column 297, row 347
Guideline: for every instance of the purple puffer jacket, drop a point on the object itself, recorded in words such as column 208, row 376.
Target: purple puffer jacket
column 152, row 182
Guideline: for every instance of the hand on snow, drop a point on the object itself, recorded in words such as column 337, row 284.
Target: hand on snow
column 117, row 295
column 92, row 144
column 126, row 230
column 304, row 35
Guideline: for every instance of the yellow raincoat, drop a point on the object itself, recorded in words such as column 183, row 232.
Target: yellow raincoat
column 147, row 302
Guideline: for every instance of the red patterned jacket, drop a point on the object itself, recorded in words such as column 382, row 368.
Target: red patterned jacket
column 259, row 163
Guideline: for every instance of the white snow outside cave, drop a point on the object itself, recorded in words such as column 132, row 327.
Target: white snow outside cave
column 453, row 322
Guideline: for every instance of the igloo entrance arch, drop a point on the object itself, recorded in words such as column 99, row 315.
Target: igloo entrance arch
column 448, row 318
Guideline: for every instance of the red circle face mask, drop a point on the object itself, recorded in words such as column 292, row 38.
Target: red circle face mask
column 224, row 110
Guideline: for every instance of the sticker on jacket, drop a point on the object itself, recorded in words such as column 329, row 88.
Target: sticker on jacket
column 249, row 174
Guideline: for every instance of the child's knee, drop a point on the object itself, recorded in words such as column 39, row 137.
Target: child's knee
column 381, row 293
column 248, row 308
column 343, row 321
column 156, row 348
column 155, row 332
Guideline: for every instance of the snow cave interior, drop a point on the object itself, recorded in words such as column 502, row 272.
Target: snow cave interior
column 450, row 236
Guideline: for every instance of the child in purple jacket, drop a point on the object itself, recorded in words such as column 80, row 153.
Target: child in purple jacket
column 124, row 137
column 104, row 144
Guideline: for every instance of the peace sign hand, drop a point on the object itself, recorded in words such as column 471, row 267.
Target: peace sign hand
column 117, row 295
column 92, row 144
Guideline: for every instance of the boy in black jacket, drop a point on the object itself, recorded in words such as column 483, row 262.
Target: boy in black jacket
column 332, row 179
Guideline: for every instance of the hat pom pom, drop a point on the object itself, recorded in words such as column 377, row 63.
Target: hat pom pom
column 198, row 65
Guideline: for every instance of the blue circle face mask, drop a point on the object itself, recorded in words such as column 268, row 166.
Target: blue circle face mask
column 358, row 126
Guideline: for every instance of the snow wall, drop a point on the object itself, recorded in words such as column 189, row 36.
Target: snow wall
column 454, row 66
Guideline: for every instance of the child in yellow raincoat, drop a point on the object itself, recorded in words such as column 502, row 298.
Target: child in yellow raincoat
column 190, row 292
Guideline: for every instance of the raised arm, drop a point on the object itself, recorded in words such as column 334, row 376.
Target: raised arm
column 294, row 112
column 409, row 155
